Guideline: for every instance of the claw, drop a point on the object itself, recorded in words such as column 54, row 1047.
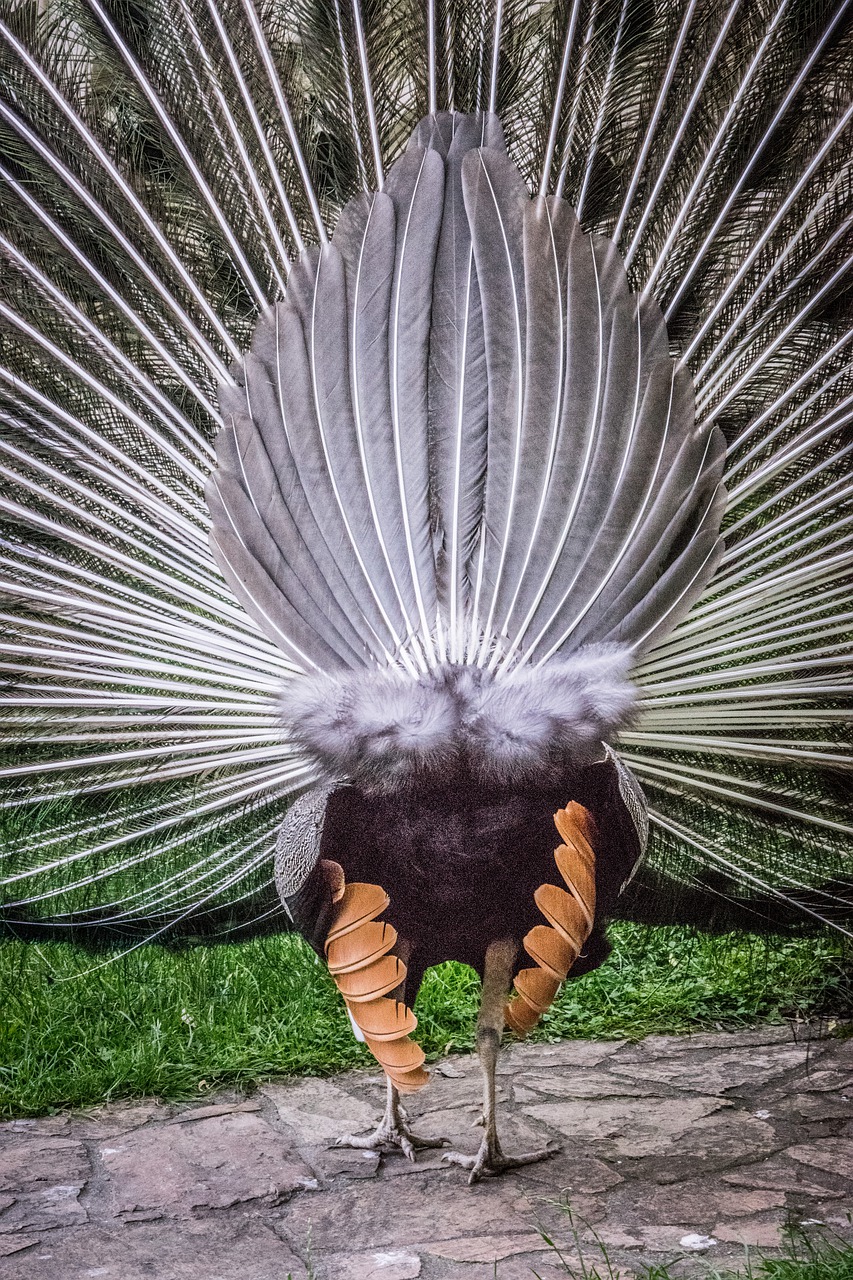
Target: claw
column 391, row 1135
column 490, row 1161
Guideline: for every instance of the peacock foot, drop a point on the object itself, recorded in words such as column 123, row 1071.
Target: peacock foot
column 390, row 1134
column 490, row 1161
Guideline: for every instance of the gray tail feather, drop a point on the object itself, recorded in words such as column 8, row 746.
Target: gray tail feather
column 460, row 438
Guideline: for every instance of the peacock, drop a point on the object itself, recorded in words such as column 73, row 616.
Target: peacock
column 424, row 482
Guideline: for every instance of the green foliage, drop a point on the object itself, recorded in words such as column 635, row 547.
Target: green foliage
column 77, row 1030
column 807, row 1256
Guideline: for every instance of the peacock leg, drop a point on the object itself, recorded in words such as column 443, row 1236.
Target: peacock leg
column 393, row 1131
column 490, row 1159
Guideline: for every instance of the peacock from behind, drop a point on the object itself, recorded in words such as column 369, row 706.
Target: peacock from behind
column 474, row 324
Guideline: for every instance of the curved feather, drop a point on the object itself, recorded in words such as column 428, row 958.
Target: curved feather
column 136, row 243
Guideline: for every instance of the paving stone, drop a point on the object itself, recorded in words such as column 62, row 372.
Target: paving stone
column 455, row 1091
column 318, row 1111
column 615, row 1237
column 817, row 1106
column 96, row 1124
column 670, row 1238
column 585, row 1175
column 775, row 1175
column 582, row 1084
column 375, row 1216
column 751, row 1233
column 205, row 1250
column 216, row 1163
column 835, row 1155
column 400, row 1167
column 716, row 1142
column 663, row 1046
column 718, row 1072
column 43, row 1178
column 483, row 1248
column 699, row 1204
column 15, row 1244
column 341, row 1162
column 217, row 1109
column 386, row 1264
column 455, row 1068
column 40, row 1162
column 520, row 1267
column 569, row 1053
column 651, row 1154
column 826, row 1079
column 633, row 1127
column 458, row 1126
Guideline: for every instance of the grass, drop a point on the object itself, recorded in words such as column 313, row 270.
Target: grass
column 806, row 1256
column 75, row 1030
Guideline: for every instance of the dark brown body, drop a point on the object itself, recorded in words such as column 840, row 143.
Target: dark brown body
column 461, row 863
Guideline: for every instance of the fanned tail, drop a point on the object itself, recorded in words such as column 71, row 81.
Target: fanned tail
column 162, row 175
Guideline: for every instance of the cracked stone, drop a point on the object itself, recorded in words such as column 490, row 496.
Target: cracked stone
column 715, row 1142
column 819, row 1106
column 452, row 1070
column 201, row 1250
column 530, row 1267
column 375, row 1216
column 588, row 1176
column 218, row 1162
column 386, row 1264
column 633, row 1127
column 775, row 1176
column 664, row 1046
column 341, row 1162
column 719, row 1072
column 835, row 1155
column 101, row 1127
column 45, row 1176
column 483, row 1248
column 829, row 1079
column 570, row 1053
column 317, row 1111
column 217, row 1109
column 99, row 1124
column 765, row 1235
column 16, row 1244
column 38, row 1162
column 648, row 1165
column 585, row 1084
column 698, row 1204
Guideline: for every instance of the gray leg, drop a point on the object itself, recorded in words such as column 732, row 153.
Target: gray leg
column 393, row 1131
column 490, row 1159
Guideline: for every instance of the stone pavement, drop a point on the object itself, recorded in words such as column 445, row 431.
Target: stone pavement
column 676, row 1148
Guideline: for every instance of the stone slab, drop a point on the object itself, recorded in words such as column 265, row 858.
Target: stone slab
column 490, row 1248
column 631, row 1127
column 318, row 1111
column 214, row 1164
column 835, row 1155
column 718, row 1072
column 199, row 1250
column 41, row 1178
column 374, row 1216
column 658, row 1148
column 382, row 1264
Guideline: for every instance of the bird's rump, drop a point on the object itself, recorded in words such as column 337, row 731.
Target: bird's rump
column 464, row 862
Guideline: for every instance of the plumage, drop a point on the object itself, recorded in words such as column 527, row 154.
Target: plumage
column 420, row 422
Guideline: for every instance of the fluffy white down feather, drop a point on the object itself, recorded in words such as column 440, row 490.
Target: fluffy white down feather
column 384, row 731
